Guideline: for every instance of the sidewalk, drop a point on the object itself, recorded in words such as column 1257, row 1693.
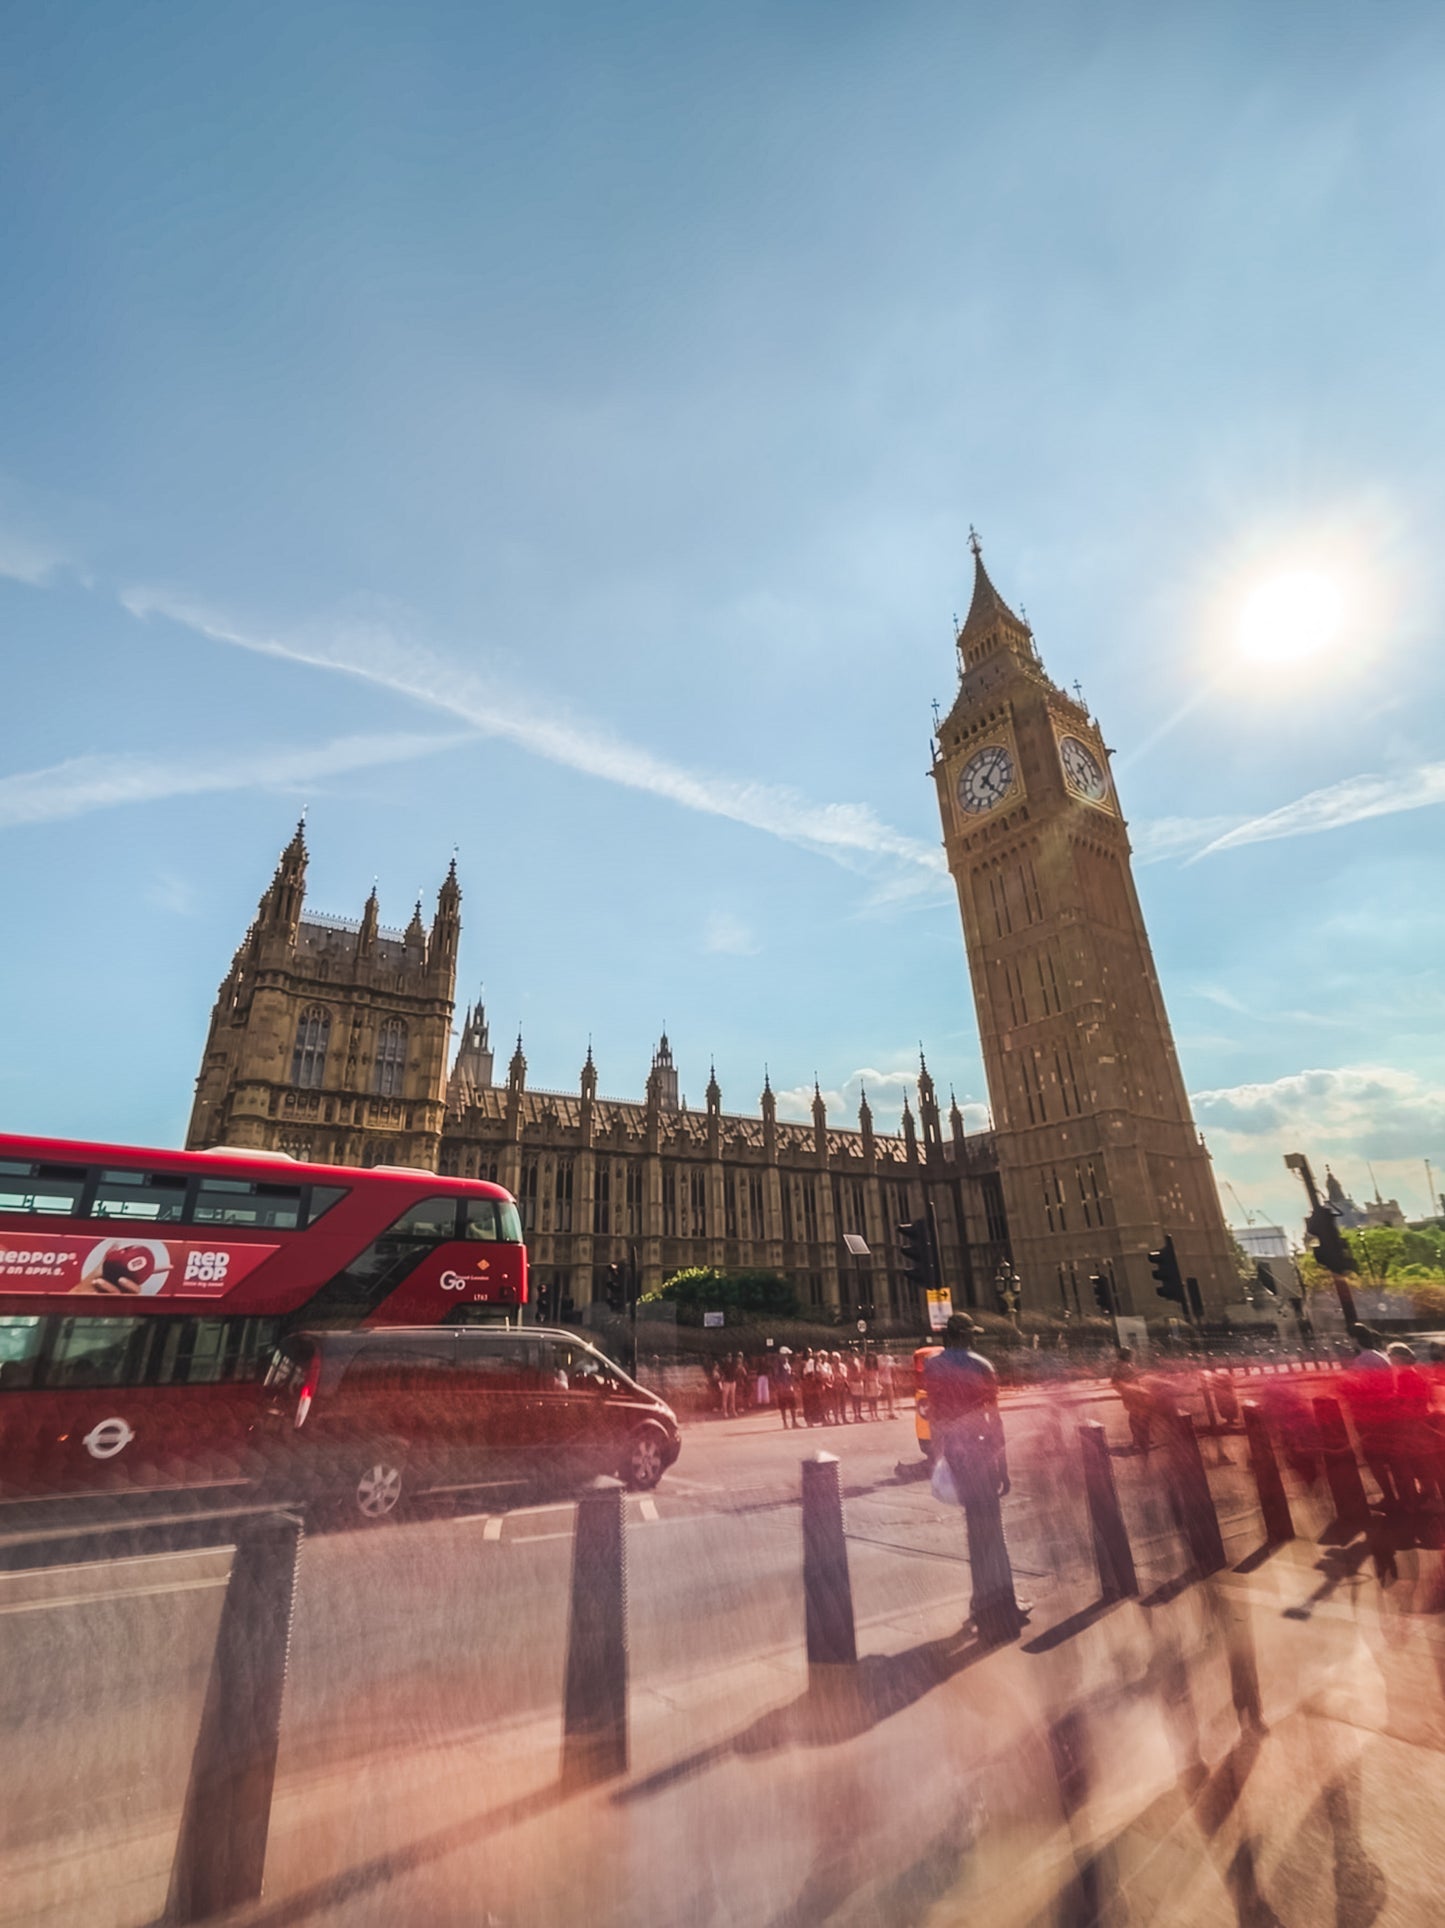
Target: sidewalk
column 1170, row 1762
column 1181, row 1757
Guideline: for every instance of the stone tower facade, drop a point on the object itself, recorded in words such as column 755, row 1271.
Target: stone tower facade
column 330, row 1036
column 1098, row 1154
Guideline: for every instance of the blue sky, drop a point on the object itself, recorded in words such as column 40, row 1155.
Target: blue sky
column 554, row 431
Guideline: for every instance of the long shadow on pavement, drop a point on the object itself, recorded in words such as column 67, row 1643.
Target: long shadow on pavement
column 883, row 1685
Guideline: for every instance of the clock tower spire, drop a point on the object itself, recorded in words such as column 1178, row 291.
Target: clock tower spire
column 1098, row 1153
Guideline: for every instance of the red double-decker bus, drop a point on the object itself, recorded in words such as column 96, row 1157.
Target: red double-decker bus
column 142, row 1292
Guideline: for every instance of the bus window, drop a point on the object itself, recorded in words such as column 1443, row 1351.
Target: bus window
column 480, row 1220
column 323, row 1197
column 96, row 1352
column 19, row 1351
column 430, row 1218
column 237, row 1201
column 31, row 1188
column 493, row 1219
column 154, row 1196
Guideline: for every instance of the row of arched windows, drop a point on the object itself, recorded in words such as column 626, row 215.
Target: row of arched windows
column 313, row 1035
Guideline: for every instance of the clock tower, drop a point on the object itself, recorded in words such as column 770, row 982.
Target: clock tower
column 1098, row 1154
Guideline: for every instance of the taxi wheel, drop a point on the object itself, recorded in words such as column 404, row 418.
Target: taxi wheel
column 645, row 1461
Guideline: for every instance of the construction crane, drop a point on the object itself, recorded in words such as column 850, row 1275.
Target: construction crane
column 1248, row 1214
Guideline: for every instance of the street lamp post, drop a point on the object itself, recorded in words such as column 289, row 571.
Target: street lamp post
column 858, row 1246
column 1007, row 1288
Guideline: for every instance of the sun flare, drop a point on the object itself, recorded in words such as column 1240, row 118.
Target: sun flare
column 1289, row 616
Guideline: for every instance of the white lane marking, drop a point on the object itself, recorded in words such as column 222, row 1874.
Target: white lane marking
column 648, row 1509
column 121, row 1559
column 493, row 1528
column 119, row 1593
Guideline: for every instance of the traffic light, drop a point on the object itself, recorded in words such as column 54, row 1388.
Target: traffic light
column 1164, row 1266
column 1323, row 1226
column 915, row 1243
column 1103, row 1293
column 615, row 1288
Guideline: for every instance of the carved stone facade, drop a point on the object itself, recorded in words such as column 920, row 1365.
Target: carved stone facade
column 329, row 1040
column 1098, row 1153
column 330, row 1036
column 597, row 1178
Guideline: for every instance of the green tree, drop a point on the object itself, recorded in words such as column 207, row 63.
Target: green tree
column 703, row 1288
column 1377, row 1248
column 1425, row 1248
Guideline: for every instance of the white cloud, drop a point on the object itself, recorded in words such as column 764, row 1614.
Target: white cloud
column 1157, row 839
column 729, row 935
column 374, row 652
column 85, row 783
column 1352, row 800
column 1372, row 1124
column 1366, row 1110
column 886, row 1091
column 28, row 559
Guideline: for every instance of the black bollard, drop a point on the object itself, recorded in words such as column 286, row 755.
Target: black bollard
column 827, row 1591
column 1273, row 1500
column 221, row 1848
column 594, row 1712
column 1189, row 1486
column 1352, row 1509
column 1112, row 1552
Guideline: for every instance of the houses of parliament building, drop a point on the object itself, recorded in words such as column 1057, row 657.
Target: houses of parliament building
column 331, row 1040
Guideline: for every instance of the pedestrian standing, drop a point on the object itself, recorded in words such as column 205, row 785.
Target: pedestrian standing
column 1368, row 1385
column 885, row 1381
column 744, row 1384
column 963, row 1415
column 728, row 1386
column 826, row 1402
column 810, row 1390
column 787, row 1389
column 1138, row 1402
column 840, row 1390
column 762, row 1386
column 871, row 1384
column 855, row 1386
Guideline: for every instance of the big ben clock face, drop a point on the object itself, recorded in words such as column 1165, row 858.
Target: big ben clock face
column 985, row 780
column 1083, row 770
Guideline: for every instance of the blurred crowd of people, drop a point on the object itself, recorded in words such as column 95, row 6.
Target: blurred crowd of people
column 811, row 1388
column 1394, row 1395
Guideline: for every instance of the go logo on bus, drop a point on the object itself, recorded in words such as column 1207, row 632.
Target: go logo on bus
column 459, row 1281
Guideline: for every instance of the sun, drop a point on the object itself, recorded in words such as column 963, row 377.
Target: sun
column 1290, row 616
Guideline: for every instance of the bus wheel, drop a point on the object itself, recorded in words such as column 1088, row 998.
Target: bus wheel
column 644, row 1464
column 378, row 1486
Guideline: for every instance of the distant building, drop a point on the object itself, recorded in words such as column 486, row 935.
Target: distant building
column 1268, row 1247
column 1262, row 1241
column 1379, row 1211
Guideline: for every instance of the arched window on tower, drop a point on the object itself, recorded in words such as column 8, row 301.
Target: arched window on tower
column 390, row 1068
column 308, row 1061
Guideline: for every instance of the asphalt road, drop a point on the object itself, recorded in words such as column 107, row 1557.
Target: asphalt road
column 426, row 1628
